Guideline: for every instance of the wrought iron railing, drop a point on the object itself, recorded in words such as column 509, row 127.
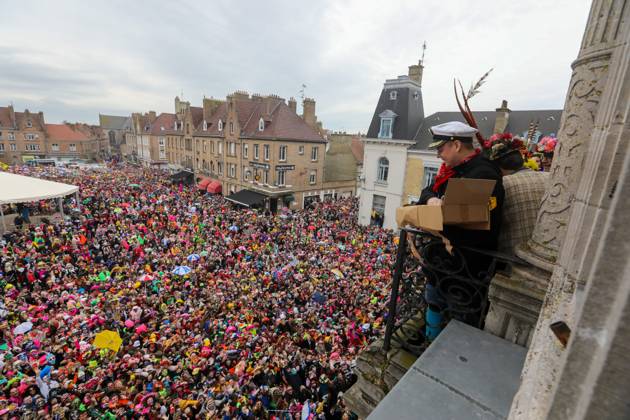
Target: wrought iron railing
column 454, row 285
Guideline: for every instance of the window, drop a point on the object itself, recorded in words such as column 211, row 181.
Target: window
column 220, row 167
column 231, row 127
column 1, row 147
column 31, row 147
column 393, row 95
column 55, row 147
column 211, row 147
column 383, row 170
column 205, row 125
column 232, row 170
column 245, row 151
column 281, row 178
column 174, row 125
column 205, row 146
column 29, row 123
column 161, row 128
column 220, row 126
column 11, row 136
column 73, row 147
column 29, row 136
column 220, row 147
column 266, row 151
column 256, row 152
column 378, row 210
column 312, row 177
column 233, row 148
column 161, row 141
column 314, row 153
column 266, row 177
column 247, row 174
column 429, row 175
column 13, row 147
column 283, row 153
column 386, row 128
column 261, row 125
column 301, row 150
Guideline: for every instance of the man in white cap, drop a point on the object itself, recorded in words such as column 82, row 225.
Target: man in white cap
column 454, row 144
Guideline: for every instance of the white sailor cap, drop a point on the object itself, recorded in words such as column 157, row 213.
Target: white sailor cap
column 452, row 130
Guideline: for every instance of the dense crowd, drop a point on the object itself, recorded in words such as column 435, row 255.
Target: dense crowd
column 265, row 324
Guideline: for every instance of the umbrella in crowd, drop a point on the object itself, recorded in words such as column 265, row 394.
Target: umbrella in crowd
column 107, row 339
column 193, row 257
column 182, row 270
column 23, row 328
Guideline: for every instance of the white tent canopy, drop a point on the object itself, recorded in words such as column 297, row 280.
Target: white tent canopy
column 23, row 189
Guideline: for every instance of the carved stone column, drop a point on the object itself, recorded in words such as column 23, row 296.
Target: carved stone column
column 588, row 162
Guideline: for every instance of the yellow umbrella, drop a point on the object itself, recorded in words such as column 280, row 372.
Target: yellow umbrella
column 107, row 339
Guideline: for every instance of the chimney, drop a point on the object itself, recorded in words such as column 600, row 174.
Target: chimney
column 209, row 107
column 502, row 118
column 12, row 115
column 41, row 118
column 308, row 112
column 415, row 72
column 151, row 116
column 293, row 105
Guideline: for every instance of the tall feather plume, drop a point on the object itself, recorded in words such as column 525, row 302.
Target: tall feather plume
column 465, row 108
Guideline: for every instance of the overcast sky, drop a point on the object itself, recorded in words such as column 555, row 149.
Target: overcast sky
column 76, row 59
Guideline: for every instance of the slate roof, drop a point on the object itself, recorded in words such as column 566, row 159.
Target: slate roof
column 114, row 122
column 518, row 123
column 407, row 106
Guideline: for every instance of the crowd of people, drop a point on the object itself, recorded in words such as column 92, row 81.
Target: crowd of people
column 223, row 312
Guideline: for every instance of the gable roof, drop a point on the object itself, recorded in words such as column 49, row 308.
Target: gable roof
column 64, row 132
column 280, row 121
column 114, row 122
column 518, row 123
column 163, row 123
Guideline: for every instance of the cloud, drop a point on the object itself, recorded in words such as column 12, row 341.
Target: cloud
column 74, row 59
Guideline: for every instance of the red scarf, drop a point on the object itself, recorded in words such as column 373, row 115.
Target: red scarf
column 445, row 171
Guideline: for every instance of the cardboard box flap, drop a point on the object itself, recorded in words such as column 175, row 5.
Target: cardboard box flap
column 468, row 191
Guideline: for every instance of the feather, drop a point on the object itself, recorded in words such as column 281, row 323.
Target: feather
column 474, row 89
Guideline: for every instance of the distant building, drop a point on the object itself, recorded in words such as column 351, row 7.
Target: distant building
column 22, row 135
column 138, row 139
column 68, row 142
column 116, row 128
column 397, row 163
column 343, row 163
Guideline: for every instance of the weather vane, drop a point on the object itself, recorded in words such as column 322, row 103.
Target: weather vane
column 424, row 48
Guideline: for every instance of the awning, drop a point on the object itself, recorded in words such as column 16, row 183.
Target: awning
column 214, row 187
column 203, row 184
column 247, row 198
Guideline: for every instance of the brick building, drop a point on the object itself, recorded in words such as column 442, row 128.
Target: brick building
column 22, row 135
column 69, row 142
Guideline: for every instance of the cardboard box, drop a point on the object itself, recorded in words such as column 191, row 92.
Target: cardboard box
column 465, row 203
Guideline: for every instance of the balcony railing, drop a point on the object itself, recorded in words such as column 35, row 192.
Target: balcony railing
column 429, row 278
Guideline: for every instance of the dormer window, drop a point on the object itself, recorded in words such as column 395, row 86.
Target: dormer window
column 29, row 123
column 387, row 124
column 220, row 125
column 261, row 125
column 161, row 128
column 393, row 95
column 205, row 125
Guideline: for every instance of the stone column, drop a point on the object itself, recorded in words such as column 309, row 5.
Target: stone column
column 593, row 142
